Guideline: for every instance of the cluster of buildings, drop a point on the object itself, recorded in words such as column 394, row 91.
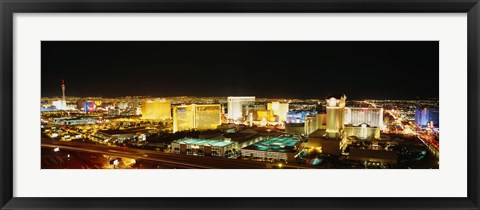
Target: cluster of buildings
column 62, row 103
column 245, row 109
column 427, row 118
column 210, row 116
column 341, row 125
column 362, row 122
column 328, row 131
column 280, row 148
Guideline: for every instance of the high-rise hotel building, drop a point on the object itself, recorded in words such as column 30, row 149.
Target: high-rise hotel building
column 335, row 114
column 279, row 109
column 196, row 116
column 314, row 122
column 359, row 115
column 235, row 105
column 156, row 110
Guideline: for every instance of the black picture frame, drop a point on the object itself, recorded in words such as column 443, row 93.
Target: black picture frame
column 9, row 7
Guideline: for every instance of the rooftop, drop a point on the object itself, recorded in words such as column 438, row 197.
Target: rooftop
column 275, row 144
column 212, row 142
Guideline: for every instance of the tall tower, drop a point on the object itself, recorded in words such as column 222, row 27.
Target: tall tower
column 63, row 90
column 335, row 112
column 64, row 101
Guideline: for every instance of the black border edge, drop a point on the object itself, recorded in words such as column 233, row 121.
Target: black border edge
column 9, row 7
column 6, row 94
column 240, row 6
column 473, row 46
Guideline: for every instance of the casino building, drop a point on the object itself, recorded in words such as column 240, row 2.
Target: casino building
column 363, row 131
column 203, row 147
column 196, row 116
column 340, row 123
column 279, row 109
column 274, row 148
column 156, row 110
column 235, row 106
column 360, row 115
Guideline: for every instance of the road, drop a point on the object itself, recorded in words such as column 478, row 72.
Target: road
column 430, row 142
column 184, row 161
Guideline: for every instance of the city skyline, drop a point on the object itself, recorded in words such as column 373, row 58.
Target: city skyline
column 240, row 105
column 255, row 69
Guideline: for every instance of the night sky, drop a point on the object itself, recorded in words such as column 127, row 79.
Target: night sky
column 272, row 69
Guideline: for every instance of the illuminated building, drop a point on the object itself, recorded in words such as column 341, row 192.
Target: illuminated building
column 203, row 147
column 330, row 140
column 196, row 116
column 434, row 117
column 62, row 103
column 183, row 118
column 422, row 117
column 314, row 122
column 122, row 105
column 426, row 116
column 235, row 105
column 44, row 108
column 310, row 124
column 251, row 110
column 133, row 102
column 250, row 119
column 359, row 115
column 279, row 109
column 335, row 113
column 156, row 110
column 88, row 106
column 63, row 90
column 273, row 148
column 298, row 116
column 265, row 115
column 257, row 114
column 363, row 131
column 207, row 116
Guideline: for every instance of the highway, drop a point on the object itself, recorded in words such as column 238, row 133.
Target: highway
column 184, row 161
column 431, row 143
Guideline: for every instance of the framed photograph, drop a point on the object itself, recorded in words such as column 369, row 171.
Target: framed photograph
column 239, row 104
